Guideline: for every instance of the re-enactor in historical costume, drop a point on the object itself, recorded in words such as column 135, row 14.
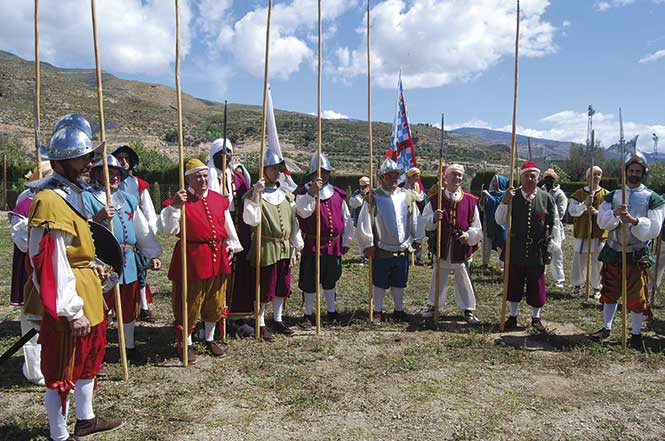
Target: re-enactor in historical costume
column 134, row 235
column 585, row 203
column 413, row 183
column 336, row 236
column 494, row 235
column 138, row 188
column 210, row 242
column 356, row 202
column 240, row 295
column 534, row 215
column 281, row 241
column 461, row 232
column 66, row 286
column 643, row 216
column 385, row 233
column 551, row 185
column 22, row 271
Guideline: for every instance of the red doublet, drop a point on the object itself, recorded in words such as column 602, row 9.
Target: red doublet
column 206, row 252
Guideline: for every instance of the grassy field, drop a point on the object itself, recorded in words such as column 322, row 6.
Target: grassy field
column 358, row 381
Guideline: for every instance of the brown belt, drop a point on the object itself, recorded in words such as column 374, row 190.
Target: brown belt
column 128, row 246
column 275, row 239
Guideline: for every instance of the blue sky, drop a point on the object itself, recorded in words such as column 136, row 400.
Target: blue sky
column 456, row 56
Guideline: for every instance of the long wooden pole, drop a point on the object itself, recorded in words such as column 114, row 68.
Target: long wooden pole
column 5, row 205
column 506, row 266
column 257, row 262
column 107, row 185
column 624, row 257
column 318, row 194
column 183, row 212
column 654, row 288
column 439, row 199
column 224, row 189
column 38, row 86
column 590, row 218
column 370, row 201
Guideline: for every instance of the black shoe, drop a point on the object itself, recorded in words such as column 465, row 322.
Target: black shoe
column 308, row 321
column 400, row 316
column 281, row 328
column 377, row 317
column 600, row 335
column 510, row 324
column 538, row 325
column 332, row 317
column 636, row 342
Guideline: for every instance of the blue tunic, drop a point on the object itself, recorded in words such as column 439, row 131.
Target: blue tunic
column 123, row 228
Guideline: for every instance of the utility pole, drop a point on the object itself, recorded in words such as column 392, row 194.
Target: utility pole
column 655, row 146
column 589, row 128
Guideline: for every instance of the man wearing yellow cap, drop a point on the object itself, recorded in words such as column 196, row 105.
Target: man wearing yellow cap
column 413, row 183
column 551, row 186
column 211, row 240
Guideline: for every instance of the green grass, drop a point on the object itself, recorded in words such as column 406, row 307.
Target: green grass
column 365, row 382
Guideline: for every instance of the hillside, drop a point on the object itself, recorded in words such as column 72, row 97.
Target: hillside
column 540, row 147
column 146, row 112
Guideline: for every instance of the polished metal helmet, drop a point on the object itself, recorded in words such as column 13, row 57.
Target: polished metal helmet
column 133, row 156
column 637, row 158
column 75, row 120
column 389, row 166
column 270, row 157
column 113, row 163
column 325, row 163
column 67, row 142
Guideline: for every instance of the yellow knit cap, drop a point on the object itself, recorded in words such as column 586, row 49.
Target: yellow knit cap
column 194, row 165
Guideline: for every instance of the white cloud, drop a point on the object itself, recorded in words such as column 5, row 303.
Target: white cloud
column 437, row 42
column 330, row 114
column 566, row 24
column 569, row 125
column 290, row 31
column 135, row 36
column 604, row 5
column 653, row 56
column 473, row 122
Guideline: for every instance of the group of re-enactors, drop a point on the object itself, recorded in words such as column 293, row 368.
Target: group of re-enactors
column 61, row 284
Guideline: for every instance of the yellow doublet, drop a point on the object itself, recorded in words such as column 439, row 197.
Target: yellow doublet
column 50, row 211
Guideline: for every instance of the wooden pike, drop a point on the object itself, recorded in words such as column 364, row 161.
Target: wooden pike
column 107, row 185
column 371, row 158
column 181, row 177
column 38, row 154
column 437, row 270
column 257, row 262
column 624, row 238
column 506, row 270
column 590, row 219
column 318, row 176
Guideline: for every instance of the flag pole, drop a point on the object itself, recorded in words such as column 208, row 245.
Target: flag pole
column 371, row 159
column 107, row 185
column 257, row 262
column 37, row 91
column 318, row 194
column 590, row 218
column 183, row 212
column 506, row 265
column 624, row 262
column 439, row 199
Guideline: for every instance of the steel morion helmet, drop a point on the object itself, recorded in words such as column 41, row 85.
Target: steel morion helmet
column 74, row 120
column 113, row 163
column 324, row 163
column 637, row 158
column 67, row 142
column 271, row 158
column 389, row 166
column 133, row 156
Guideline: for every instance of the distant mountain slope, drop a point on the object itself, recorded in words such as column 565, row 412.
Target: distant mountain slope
column 540, row 147
column 137, row 111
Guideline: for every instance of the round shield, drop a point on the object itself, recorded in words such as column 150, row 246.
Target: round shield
column 107, row 248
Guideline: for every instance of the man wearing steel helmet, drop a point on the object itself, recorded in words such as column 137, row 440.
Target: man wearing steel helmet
column 281, row 241
column 133, row 232
column 336, row 236
column 66, row 279
column 643, row 216
column 137, row 187
column 385, row 234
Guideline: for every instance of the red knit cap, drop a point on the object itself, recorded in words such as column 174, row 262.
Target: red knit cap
column 529, row 166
